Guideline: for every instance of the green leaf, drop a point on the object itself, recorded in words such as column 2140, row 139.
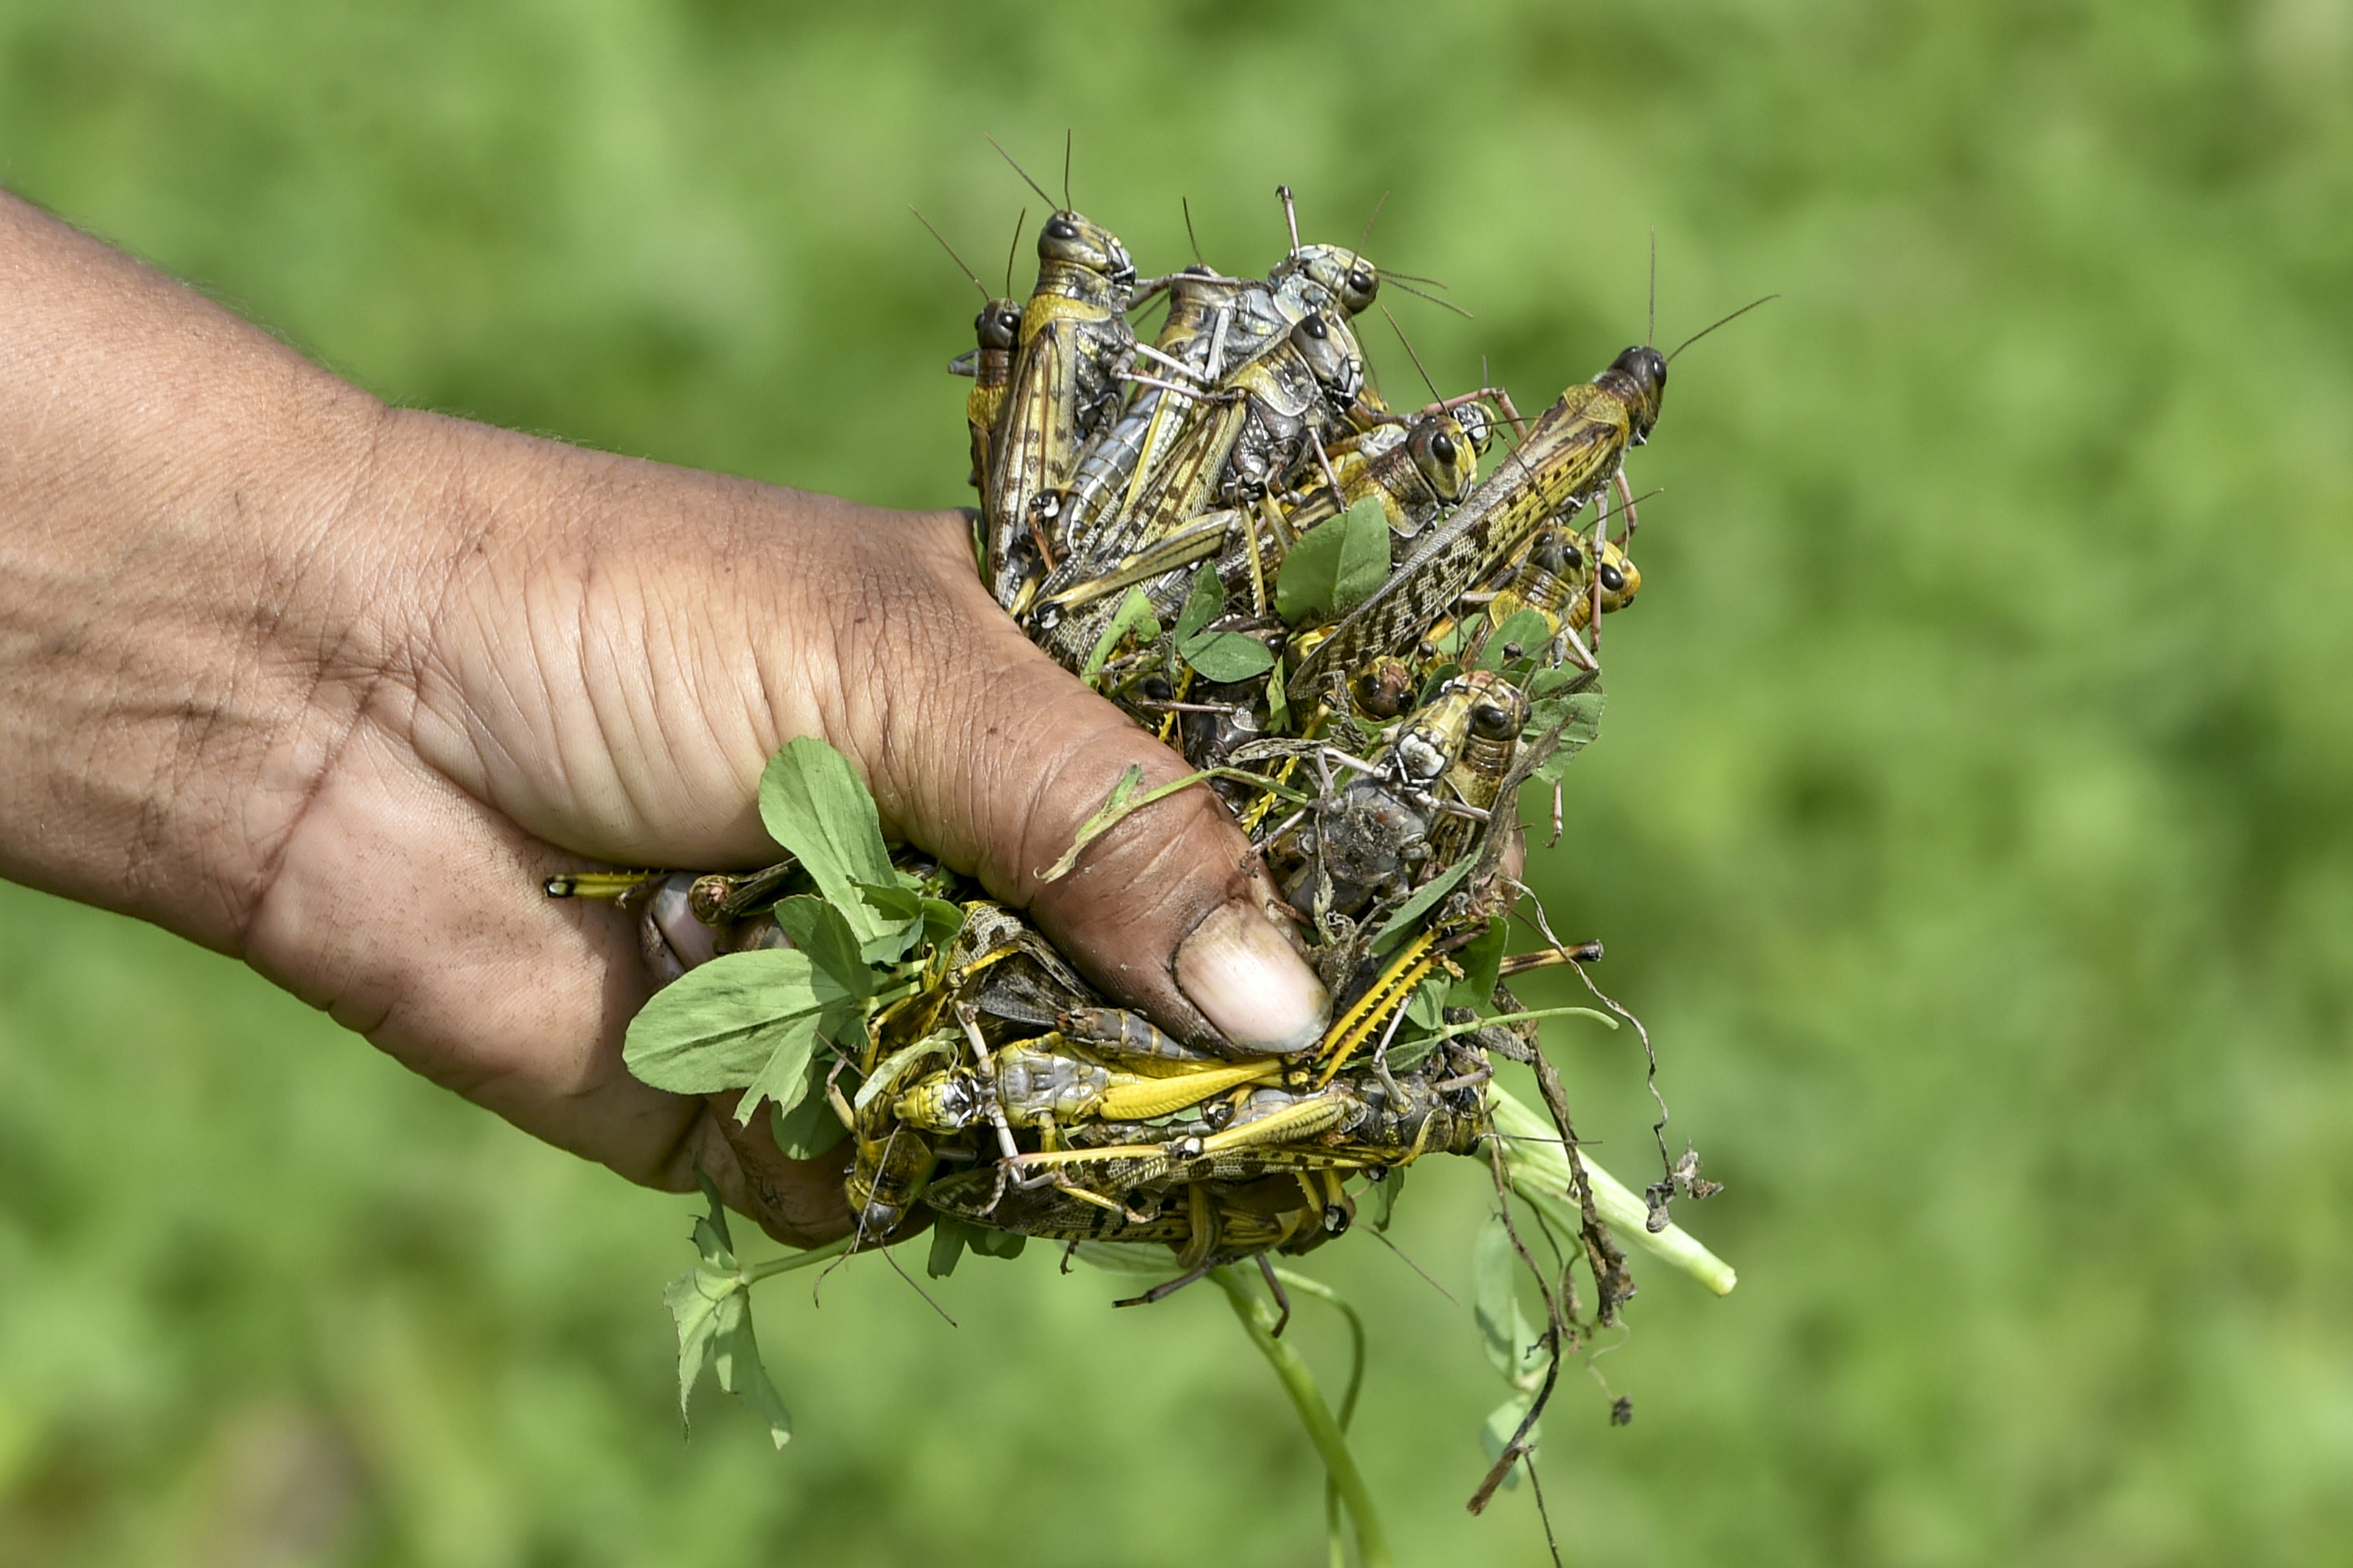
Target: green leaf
column 1481, row 961
column 817, row 806
column 1307, row 582
column 711, row 1305
column 1364, row 564
column 1582, row 710
column 1133, row 614
column 719, row 1025
column 1401, row 924
column 990, row 1242
column 1205, row 604
column 1226, row 655
column 1511, row 1344
column 1426, row 1005
column 786, row 1078
column 1335, row 566
column 949, row 1238
column 943, row 922
column 1278, row 706
column 811, row 1126
column 1527, row 629
column 1115, row 806
column 1380, row 1198
column 737, row 1355
column 823, row 932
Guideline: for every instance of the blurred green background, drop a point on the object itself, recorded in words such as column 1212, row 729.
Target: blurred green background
column 1971, row 826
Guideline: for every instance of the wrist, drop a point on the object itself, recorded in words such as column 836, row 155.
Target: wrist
column 183, row 592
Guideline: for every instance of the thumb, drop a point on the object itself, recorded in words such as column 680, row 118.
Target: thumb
column 986, row 753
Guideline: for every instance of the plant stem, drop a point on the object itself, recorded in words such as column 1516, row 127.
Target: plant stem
column 1257, row 1321
column 1540, row 1168
column 1300, row 1282
column 752, row 1273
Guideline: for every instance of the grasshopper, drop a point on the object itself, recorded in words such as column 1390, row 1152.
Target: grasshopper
column 1562, row 578
column 1201, row 307
column 1413, row 807
column 1577, row 446
column 997, row 328
column 1072, row 347
column 1252, row 431
column 1414, row 470
column 1042, row 1084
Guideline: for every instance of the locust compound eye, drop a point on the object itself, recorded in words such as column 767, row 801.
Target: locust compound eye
column 1362, row 282
column 1061, row 228
column 1157, row 690
column 1441, row 447
column 1491, row 721
column 1571, row 558
column 1313, row 325
column 1612, row 578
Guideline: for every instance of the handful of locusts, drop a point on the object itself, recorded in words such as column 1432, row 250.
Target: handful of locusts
column 1368, row 649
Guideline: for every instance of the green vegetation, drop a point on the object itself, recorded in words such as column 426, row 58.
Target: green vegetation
column 1970, row 828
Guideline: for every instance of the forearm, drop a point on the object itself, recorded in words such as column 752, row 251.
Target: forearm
column 183, row 639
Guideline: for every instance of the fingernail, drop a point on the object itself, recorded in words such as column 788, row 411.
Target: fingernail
column 1246, row 978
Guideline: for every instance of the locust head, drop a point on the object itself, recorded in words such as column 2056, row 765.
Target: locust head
column 1331, row 355
column 1478, row 422
column 998, row 324
column 1077, row 241
column 1343, row 278
column 1444, row 455
column 1621, row 580
column 1639, row 378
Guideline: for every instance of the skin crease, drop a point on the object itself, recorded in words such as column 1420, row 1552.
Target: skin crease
column 333, row 686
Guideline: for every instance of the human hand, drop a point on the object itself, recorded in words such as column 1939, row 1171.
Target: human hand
column 364, row 677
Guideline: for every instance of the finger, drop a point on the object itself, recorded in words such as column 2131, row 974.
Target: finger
column 415, row 915
column 986, row 753
column 799, row 1202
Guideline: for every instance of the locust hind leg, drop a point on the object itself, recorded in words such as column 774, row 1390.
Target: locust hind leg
column 1161, row 1292
column 1266, row 1267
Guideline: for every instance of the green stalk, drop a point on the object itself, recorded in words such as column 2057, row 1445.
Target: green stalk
column 1540, row 1168
column 1336, row 1546
column 754, row 1273
column 1258, row 1321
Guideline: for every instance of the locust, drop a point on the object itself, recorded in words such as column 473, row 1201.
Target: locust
column 1073, row 346
column 1201, row 308
column 1414, row 470
column 989, row 362
column 1046, row 1083
column 1577, row 446
column 1254, row 427
column 1413, row 807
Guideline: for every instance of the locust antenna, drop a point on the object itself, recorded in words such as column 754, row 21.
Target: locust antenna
column 1359, row 253
column 1066, row 168
column 1289, row 217
column 1713, row 325
column 952, row 254
column 1013, row 250
column 1411, row 278
column 1651, row 333
column 1021, row 170
column 1441, row 304
column 1189, row 235
column 1436, row 395
column 1382, row 1236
